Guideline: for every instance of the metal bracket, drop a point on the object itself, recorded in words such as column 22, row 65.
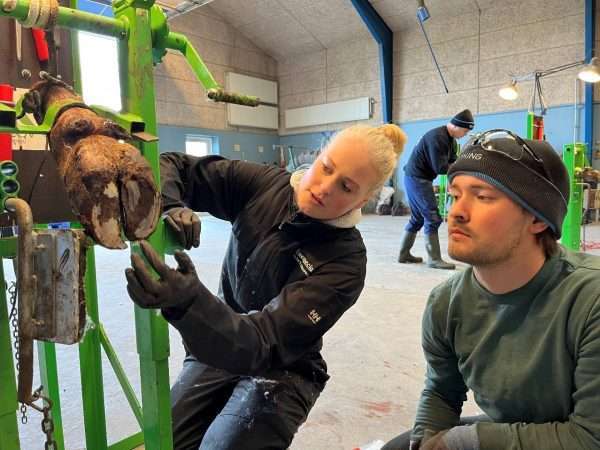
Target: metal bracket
column 59, row 304
column 131, row 123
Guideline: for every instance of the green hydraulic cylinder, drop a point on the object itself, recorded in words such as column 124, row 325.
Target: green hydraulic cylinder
column 574, row 159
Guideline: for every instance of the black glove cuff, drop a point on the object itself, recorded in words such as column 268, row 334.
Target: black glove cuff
column 177, row 312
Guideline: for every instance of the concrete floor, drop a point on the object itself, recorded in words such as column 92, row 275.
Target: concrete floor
column 374, row 353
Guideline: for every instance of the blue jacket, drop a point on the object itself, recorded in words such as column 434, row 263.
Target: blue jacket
column 432, row 155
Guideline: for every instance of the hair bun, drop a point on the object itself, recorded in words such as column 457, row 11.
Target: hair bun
column 396, row 136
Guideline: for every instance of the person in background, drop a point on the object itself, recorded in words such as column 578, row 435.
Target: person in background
column 432, row 155
column 295, row 263
column 521, row 326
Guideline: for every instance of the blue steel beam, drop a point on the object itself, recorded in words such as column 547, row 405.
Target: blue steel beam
column 588, row 109
column 385, row 38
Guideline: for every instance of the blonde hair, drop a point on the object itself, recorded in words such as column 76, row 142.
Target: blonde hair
column 384, row 143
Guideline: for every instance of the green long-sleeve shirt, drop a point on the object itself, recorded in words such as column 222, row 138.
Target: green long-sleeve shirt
column 531, row 357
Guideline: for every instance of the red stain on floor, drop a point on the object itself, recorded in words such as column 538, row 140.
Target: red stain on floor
column 377, row 409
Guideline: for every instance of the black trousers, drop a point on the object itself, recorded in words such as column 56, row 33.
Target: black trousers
column 402, row 442
column 215, row 410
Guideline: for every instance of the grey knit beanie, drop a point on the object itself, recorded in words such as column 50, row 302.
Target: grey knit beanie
column 539, row 182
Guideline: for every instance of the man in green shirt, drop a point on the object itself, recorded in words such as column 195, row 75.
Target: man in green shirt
column 521, row 326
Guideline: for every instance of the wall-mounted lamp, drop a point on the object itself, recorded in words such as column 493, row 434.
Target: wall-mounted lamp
column 509, row 92
column 590, row 72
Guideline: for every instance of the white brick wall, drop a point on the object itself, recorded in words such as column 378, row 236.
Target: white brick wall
column 180, row 98
column 476, row 54
column 343, row 72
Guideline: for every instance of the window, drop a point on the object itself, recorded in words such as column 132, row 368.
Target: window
column 196, row 145
column 99, row 61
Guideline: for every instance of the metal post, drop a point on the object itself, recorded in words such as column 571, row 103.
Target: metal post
column 588, row 109
column 90, row 365
column 137, row 86
column 385, row 38
column 49, row 378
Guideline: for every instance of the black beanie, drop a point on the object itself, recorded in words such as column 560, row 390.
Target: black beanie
column 542, row 188
column 463, row 119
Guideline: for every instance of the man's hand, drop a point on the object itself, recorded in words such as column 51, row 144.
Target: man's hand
column 435, row 442
column 174, row 288
column 186, row 224
column 462, row 437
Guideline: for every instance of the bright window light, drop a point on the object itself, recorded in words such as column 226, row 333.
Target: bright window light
column 99, row 60
column 198, row 145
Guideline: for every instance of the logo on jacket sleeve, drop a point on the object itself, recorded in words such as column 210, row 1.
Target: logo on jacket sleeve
column 305, row 265
column 314, row 316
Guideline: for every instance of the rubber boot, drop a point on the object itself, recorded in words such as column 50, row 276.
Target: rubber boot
column 435, row 261
column 408, row 240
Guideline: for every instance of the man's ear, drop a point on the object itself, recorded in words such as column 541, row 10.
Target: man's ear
column 537, row 226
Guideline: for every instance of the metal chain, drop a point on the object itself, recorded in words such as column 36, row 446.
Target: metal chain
column 13, row 317
column 47, row 422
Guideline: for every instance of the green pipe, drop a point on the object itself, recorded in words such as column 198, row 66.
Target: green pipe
column 73, row 18
column 128, row 443
column 121, row 376
column 179, row 42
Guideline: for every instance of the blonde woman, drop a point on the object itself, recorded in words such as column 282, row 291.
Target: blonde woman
column 295, row 263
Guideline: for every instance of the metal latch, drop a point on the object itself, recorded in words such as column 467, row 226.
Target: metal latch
column 59, row 266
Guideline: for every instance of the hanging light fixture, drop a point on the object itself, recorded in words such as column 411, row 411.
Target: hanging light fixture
column 509, row 92
column 590, row 72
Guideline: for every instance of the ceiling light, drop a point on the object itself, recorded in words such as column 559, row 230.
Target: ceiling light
column 591, row 72
column 509, row 92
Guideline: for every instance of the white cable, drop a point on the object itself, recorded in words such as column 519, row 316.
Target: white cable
column 32, row 14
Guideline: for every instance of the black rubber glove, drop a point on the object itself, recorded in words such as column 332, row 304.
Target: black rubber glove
column 176, row 288
column 186, row 224
column 415, row 445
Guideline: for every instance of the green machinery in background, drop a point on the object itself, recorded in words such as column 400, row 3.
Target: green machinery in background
column 575, row 161
column 442, row 190
column 143, row 36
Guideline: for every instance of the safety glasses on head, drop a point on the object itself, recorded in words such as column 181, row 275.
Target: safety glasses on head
column 510, row 145
column 488, row 140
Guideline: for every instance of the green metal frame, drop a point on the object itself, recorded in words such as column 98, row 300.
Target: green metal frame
column 143, row 36
column 574, row 159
